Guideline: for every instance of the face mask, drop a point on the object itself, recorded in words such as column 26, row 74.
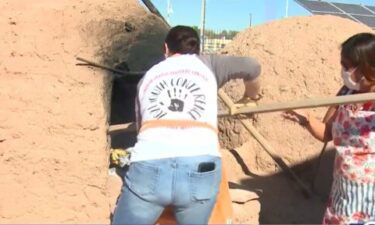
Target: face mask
column 348, row 81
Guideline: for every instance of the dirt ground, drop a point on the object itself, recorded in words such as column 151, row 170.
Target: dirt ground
column 54, row 115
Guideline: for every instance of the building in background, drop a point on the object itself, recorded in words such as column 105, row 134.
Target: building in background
column 215, row 40
column 214, row 45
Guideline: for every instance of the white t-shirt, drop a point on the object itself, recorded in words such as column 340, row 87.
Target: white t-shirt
column 177, row 105
column 181, row 88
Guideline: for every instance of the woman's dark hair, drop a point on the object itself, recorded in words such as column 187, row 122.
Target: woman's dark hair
column 183, row 40
column 359, row 51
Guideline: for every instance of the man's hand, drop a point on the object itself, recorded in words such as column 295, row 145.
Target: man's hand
column 252, row 89
column 244, row 102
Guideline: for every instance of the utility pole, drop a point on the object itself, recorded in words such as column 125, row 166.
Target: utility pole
column 169, row 11
column 286, row 8
column 251, row 18
column 203, row 21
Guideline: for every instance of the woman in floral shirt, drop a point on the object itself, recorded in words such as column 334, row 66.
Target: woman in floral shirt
column 352, row 129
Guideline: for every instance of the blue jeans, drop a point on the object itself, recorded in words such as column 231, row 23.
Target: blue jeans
column 152, row 185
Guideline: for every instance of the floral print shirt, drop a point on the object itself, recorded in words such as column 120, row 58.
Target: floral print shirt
column 353, row 133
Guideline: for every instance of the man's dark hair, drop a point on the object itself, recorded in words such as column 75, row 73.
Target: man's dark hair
column 359, row 50
column 183, row 40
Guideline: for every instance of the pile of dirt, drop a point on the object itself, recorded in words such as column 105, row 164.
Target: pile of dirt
column 54, row 114
column 300, row 58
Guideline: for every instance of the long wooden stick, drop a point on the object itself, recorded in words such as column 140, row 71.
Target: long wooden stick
column 306, row 103
column 270, row 151
column 267, row 147
column 273, row 107
column 228, row 101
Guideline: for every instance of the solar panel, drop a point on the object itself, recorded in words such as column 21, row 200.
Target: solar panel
column 353, row 9
column 318, row 6
column 368, row 20
column 334, row 14
column 358, row 13
column 372, row 8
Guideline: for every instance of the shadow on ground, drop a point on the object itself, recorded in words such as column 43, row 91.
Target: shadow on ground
column 281, row 199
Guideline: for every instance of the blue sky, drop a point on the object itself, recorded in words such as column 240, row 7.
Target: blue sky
column 234, row 14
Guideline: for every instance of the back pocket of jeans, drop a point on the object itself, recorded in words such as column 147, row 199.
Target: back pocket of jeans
column 205, row 185
column 142, row 178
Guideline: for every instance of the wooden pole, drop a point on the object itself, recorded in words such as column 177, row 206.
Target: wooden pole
column 267, row 147
column 280, row 162
column 228, row 101
column 307, row 103
column 274, row 107
column 121, row 72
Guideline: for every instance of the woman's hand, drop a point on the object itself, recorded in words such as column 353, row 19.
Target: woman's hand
column 300, row 116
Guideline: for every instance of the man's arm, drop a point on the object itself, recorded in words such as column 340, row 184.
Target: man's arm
column 226, row 68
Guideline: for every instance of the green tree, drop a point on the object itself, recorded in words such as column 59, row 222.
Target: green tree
column 196, row 28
